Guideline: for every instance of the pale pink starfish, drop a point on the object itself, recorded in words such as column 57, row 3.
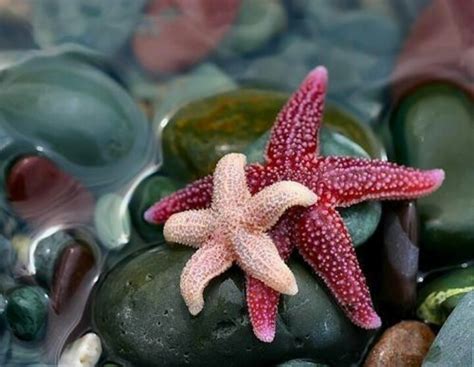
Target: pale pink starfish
column 318, row 232
column 234, row 229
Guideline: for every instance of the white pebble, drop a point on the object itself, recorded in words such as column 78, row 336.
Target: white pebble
column 84, row 352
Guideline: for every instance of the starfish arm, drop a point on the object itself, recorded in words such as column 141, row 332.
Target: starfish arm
column 352, row 180
column 295, row 133
column 197, row 195
column 266, row 207
column 262, row 301
column 323, row 241
column 230, row 182
column 192, row 227
column 258, row 257
column 209, row 261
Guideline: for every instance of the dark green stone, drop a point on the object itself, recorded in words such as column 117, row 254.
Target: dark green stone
column 27, row 311
column 453, row 345
column 434, row 128
column 151, row 190
column 141, row 317
column 438, row 298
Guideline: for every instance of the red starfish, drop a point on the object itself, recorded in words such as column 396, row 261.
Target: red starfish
column 318, row 232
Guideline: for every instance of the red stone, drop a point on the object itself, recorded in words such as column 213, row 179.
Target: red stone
column 72, row 269
column 186, row 37
column 44, row 195
column 440, row 47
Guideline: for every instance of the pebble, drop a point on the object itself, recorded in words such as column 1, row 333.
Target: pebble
column 43, row 195
column 141, row 317
column 84, row 352
column 26, row 312
column 112, row 221
column 404, row 344
column 72, row 268
column 426, row 136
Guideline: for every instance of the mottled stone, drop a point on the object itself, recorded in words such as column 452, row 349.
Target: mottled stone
column 453, row 345
column 151, row 190
column 112, row 221
column 26, row 312
column 83, row 352
column 404, row 344
column 46, row 254
column 42, row 194
column 101, row 25
column 72, row 268
column 433, row 127
column 141, row 317
column 438, row 297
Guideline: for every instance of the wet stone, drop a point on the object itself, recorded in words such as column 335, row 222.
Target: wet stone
column 26, row 312
column 453, row 344
column 404, row 344
column 6, row 254
column 301, row 363
column 140, row 315
column 72, row 268
column 444, row 142
column 438, row 297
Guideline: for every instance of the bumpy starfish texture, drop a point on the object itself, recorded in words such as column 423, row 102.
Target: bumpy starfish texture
column 234, row 229
column 318, row 232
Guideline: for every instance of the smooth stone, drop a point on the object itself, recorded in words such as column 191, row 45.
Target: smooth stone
column 3, row 306
column 203, row 81
column 43, row 195
column 83, row 352
column 141, row 317
column 187, row 33
column 362, row 219
column 151, row 190
column 68, row 109
column 27, row 312
column 101, row 25
column 6, row 254
column 404, row 344
column 438, row 297
column 426, row 136
column 453, row 345
column 112, row 221
column 46, row 254
column 72, row 269
column 257, row 23
column 400, row 261
column 301, row 363
column 22, row 243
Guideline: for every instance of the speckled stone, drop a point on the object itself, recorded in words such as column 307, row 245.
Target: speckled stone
column 26, row 312
column 404, row 344
column 140, row 315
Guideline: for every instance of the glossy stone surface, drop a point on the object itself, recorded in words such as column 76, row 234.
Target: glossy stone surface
column 151, row 190
column 26, row 312
column 47, row 252
column 452, row 346
column 112, row 221
column 301, row 363
column 434, row 128
column 438, row 297
column 404, row 344
column 140, row 316
column 101, row 25
column 72, row 268
column 42, row 194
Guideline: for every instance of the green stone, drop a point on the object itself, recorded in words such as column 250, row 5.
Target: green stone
column 140, row 315
column 151, row 190
column 453, row 345
column 112, row 221
column 203, row 131
column 438, row 298
column 47, row 252
column 361, row 219
column 27, row 311
column 434, row 128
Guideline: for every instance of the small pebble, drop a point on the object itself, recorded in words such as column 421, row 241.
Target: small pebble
column 404, row 344
column 84, row 352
